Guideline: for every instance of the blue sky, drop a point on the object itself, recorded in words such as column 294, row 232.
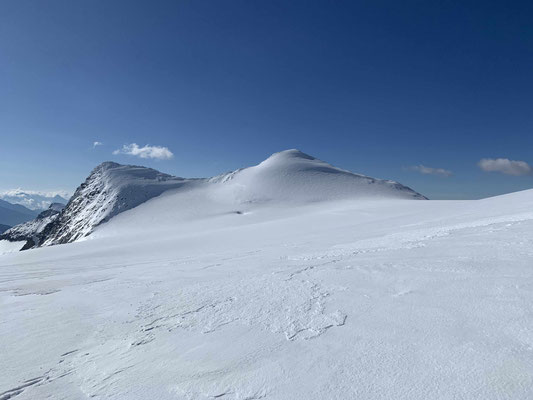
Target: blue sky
column 376, row 87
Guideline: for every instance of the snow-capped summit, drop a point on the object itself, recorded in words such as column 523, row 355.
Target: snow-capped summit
column 288, row 155
column 292, row 175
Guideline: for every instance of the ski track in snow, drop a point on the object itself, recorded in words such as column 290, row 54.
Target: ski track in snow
column 267, row 311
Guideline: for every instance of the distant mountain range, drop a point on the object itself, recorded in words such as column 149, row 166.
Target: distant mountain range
column 32, row 199
column 288, row 177
column 13, row 214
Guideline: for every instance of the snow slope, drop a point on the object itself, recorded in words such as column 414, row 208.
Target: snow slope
column 338, row 299
column 7, row 246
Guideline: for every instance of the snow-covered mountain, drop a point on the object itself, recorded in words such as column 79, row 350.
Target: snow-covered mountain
column 110, row 189
column 30, row 232
column 4, row 228
column 34, row 200
column 13, row 214
column 293, row 176
column 287, row 177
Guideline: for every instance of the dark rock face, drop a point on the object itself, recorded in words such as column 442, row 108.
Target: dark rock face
column 110, row 189
column 31, row 231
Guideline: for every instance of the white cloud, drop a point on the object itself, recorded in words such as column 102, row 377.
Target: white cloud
column 431, row 171
column 157, row 152
column 19, row 192
column 97, row 144
column 505, row 166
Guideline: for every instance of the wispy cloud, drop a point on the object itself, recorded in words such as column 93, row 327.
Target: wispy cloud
column 431, row 171
column 156, row 152
column 505, row 166
column 95, row 144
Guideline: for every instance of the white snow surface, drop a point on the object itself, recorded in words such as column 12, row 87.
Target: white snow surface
column 9, row 247
column 188, row 297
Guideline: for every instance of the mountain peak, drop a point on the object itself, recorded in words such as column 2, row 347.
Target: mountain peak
column 287, row 156
column 293, row 153
column 110, row 189
column 107, row 165
column 118, row 173
column 294, row 176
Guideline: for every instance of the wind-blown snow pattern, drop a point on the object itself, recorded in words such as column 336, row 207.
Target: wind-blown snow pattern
column 286, row 177
column 339, row 299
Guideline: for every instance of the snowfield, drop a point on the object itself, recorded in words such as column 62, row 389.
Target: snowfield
column 188, row 296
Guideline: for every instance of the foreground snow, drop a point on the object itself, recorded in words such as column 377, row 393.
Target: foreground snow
column 10, row 247
column 390, row 299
